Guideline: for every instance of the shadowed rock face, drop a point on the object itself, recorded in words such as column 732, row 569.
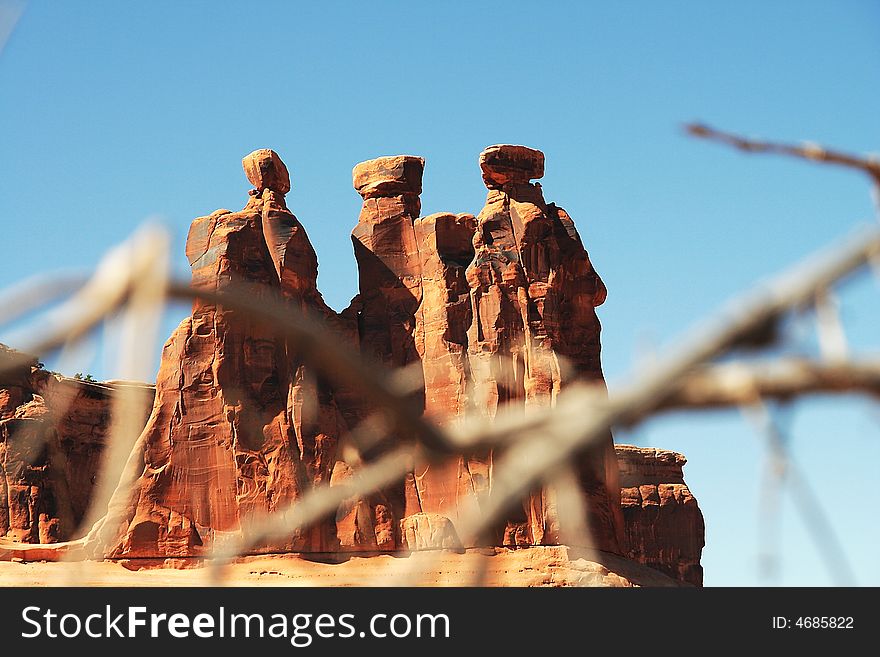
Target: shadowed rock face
column 387, row 253
column 487, row 310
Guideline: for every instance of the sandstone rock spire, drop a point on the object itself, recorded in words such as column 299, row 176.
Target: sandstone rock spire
column 534, row 293
column 390, row 292
column 239, row 428
column 497, row 309
column 387, row 254
column 415, row 310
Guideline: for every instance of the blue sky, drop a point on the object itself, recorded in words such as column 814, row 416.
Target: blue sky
column 115, row 112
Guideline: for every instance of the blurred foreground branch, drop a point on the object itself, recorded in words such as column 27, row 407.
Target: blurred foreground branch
column 812, row 152
column 741, row 382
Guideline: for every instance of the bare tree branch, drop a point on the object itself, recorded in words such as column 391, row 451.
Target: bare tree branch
column 742, row 383
column 812, row 152
column 10, row 13
column 832, row 336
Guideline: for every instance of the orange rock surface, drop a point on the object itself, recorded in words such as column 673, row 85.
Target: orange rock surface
column 239, row 428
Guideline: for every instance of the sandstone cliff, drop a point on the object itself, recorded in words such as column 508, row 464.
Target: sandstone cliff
column 663, row 524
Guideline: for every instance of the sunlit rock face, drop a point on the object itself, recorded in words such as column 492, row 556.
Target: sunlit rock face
column 491, row 311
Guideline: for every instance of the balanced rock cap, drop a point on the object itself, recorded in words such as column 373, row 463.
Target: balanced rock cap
column 265, row 170
column 506, row 163
column 389, row 176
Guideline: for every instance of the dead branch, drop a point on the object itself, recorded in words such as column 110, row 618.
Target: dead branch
column 107, row 290
column 742, row 383
column 33, row 293
column 812, row 152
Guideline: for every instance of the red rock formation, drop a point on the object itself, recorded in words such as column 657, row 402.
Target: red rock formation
column 53, row 430
column 47, row 464
column 663, row 524
column 534, row 329
column 239, row 427
column 16, row 386
column 387, row 253
column 450, row 489
column 499, row 319
column 444, row 314
column 497, row 309
column 32, row 502
column 415, row 309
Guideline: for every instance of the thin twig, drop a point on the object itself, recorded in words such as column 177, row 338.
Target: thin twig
column 10, row 13
column 832, row 336
column 35, row 292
